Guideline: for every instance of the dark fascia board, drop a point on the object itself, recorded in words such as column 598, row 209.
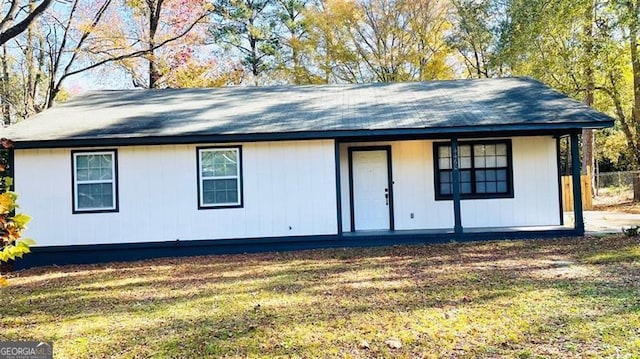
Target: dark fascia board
column 342, row 135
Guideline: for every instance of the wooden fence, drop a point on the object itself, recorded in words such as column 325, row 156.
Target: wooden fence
column 567, row 192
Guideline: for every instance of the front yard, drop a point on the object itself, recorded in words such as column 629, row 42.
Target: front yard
column 553, row 298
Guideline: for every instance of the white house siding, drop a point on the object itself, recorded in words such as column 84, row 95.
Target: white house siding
column 289, row 189
column 535, row 199
column 535, row 187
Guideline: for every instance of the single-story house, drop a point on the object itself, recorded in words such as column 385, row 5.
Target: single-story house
column 118, row 175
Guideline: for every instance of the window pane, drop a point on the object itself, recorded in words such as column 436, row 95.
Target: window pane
column 491, row 187
column 501, row 161
column 220, row 191
column 490, row 162
column 502, row 187
column 464, row 151
column 480, row 176
column 490, row 175
column 445, row 163
column 465, row 188
column 232, row 197
column 478, row 150
column 225, row 163
column 480, row 187
column 465, row 176
column 479, row 162
column 501, row 149
column 206, row 162
column 444, row 151
column 81, row 162
column 95, row 195
column 446, row 189
column 218, row 163
column 94, row 167
column 501, row 175
column 465, row 162
column 445, row 176
column 82, row 174
column 490, row 150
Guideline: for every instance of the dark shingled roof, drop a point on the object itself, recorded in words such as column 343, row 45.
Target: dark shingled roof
column 296, row 112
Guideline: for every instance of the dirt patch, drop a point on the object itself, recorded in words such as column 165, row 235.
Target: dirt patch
column 616, row 200
column 626, row 207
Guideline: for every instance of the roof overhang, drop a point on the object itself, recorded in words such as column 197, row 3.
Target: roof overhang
column 342, row 136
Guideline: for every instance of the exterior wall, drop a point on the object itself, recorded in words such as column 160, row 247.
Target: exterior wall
column 413, row 187
column 288, row 190
column 535, row 185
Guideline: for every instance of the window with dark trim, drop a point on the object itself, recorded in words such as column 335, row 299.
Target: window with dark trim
column 219, row 177
column 485, row 170
column 95, row 181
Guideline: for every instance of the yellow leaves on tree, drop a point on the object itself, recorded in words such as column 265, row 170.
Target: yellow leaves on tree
column 381, row 40
column 12, row 246
column 194, row 74
column 7, row 202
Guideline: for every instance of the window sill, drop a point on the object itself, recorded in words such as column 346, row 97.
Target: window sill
column 223, row 206
column 476, row 197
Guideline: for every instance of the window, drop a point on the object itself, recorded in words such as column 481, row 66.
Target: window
column 219, row 177
column 485, row 170
column 95, row 181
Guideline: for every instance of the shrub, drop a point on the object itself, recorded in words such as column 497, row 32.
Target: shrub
column 12, row 245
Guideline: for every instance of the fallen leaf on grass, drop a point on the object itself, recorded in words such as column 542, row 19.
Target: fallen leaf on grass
column 393, row 343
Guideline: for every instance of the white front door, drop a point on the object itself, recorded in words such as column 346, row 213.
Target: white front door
column 370, row 190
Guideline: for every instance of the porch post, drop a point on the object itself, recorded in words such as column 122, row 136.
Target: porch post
column 457, row 227
column 338, row 187
column 577, row 191
column 559, row 169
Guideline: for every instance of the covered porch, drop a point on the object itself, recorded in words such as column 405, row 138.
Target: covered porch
column 395, row 190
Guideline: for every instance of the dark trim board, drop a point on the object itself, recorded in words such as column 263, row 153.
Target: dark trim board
column 343, row 135
column 102, row 253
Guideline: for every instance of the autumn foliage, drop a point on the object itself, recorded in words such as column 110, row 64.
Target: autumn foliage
column 12, row 245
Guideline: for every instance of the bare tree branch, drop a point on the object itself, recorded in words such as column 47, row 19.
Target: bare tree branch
column 137, row 53
column 21, row 26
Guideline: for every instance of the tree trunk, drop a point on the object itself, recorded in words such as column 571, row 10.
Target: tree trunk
column 635, row 112
column 154, row 18
column 587, row 134
column 6, row 108
column 253, row 45
column 29, row 88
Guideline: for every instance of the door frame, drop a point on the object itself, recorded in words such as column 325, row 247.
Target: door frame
column 386, row 148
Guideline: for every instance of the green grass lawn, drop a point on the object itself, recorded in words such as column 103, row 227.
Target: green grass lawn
column 575, row 297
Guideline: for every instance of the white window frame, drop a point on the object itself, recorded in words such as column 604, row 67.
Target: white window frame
column 237, row 177
column 113, row 181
